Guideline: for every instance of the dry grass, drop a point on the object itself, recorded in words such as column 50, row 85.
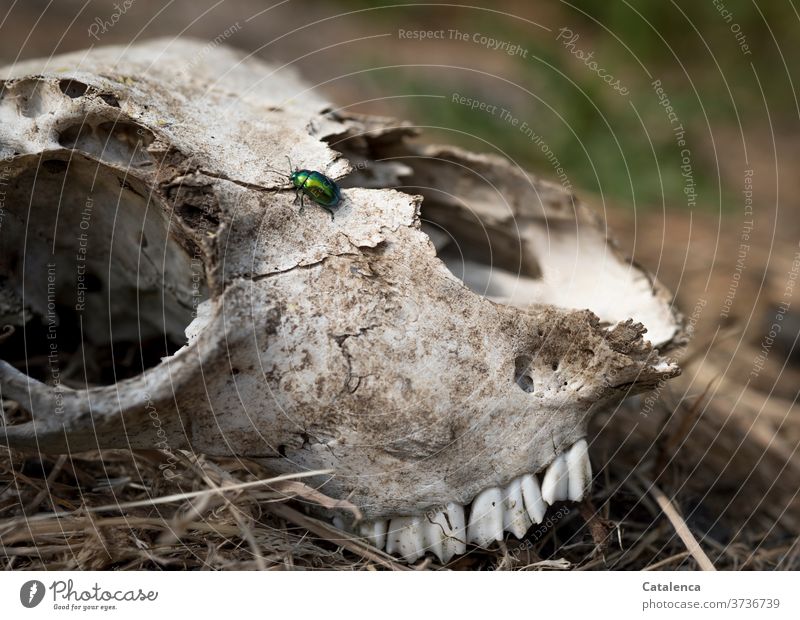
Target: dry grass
column 114, row 510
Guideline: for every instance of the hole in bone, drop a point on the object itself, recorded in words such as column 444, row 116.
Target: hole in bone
column 73, row 88
column 31, row 97
column 522, row 373
column 131, row 134
column 73, row 135
column 114, row 142
column 78, row 284
column 109, row 99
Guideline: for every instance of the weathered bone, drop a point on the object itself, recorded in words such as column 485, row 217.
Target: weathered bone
column 347, row 345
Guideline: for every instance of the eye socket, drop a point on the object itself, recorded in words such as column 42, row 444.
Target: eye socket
column 133, row 299
column 522, row 373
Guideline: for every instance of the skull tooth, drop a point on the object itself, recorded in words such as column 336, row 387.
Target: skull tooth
column 405, row 538
column 433, row 534
column 555, row 485
column 580, row 470
column 455, row 542
column 446, row 532
column 486, row 517
column 443, row 534
column 375, row 532
column 532, row 495
column 515, row 517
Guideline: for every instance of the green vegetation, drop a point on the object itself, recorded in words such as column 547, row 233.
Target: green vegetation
column 601, row 136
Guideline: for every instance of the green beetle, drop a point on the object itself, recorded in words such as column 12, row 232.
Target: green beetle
column 320, row 188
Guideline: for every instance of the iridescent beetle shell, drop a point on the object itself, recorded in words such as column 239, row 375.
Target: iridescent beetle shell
column 321, row 189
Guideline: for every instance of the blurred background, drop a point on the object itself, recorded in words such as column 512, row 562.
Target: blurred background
column 676, row 121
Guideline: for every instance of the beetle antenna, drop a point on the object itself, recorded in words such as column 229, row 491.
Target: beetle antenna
column 291, row 166
column 281, row 173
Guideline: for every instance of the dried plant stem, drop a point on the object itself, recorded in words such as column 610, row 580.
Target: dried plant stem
column 679, row 524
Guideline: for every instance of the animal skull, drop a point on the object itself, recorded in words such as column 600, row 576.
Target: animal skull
column 434, row 351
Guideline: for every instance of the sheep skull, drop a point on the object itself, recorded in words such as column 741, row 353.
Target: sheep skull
column 430, row 352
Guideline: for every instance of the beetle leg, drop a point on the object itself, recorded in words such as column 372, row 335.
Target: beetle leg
column 299, row 194
column 329, row 211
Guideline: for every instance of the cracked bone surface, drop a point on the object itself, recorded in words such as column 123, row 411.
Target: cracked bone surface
column 445, row 339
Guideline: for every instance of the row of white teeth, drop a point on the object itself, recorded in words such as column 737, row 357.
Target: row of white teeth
column 495, row 510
